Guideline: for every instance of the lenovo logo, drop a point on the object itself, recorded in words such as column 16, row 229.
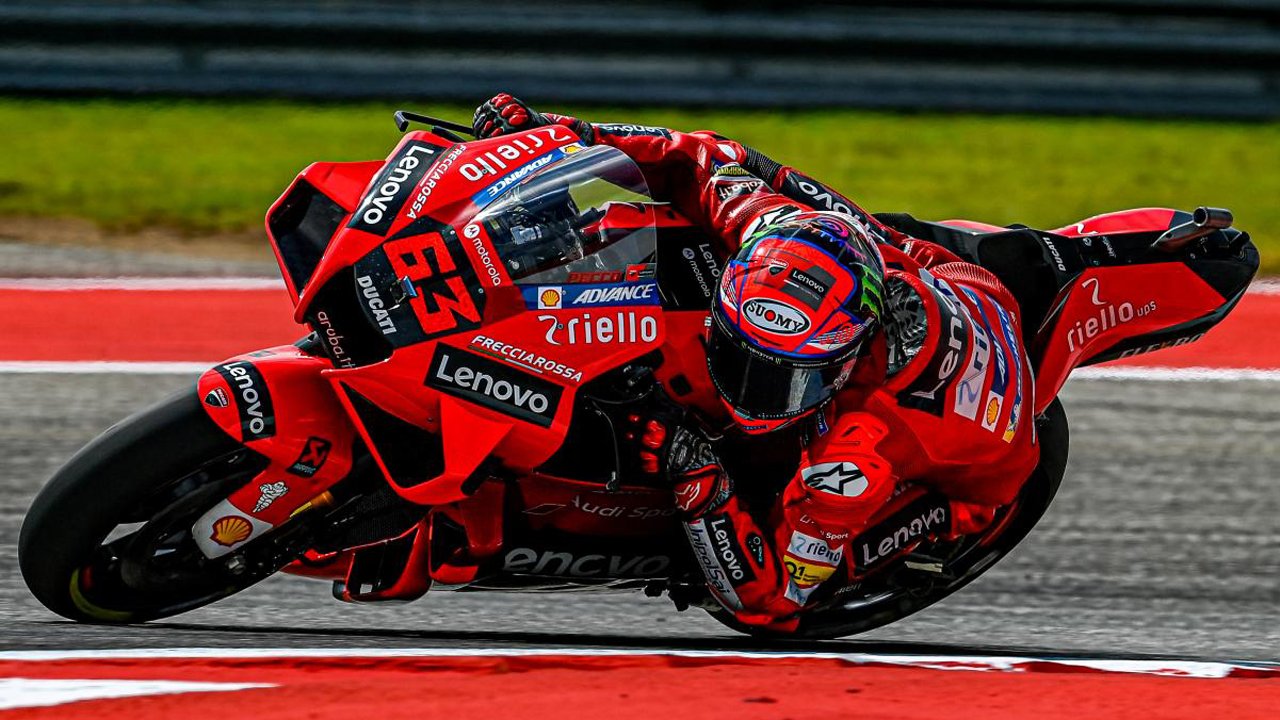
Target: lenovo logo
column 253, row 402
column 494, row 385
column 391, row 187
column 532, row 562
column 902, row 530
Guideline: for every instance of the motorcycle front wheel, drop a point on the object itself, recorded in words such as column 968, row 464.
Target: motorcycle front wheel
column 108, row 538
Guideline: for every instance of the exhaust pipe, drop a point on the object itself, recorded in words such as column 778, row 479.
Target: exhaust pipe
column 1204, row 221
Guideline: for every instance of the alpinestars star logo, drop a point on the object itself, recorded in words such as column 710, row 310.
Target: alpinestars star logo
column 838, row 478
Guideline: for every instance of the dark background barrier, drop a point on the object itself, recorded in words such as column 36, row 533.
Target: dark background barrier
column 1127, row 57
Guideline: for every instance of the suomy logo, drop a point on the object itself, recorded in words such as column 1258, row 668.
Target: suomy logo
column 775, row 316
column 494, row 385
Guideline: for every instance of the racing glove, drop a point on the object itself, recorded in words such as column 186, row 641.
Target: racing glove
column 671, row 446
column 504, row 114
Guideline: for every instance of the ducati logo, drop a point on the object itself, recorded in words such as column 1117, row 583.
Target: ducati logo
column 217, row 397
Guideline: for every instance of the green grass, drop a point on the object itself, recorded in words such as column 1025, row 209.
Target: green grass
column 215, row 166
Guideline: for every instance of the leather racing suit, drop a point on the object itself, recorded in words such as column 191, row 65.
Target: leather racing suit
column 941, row 401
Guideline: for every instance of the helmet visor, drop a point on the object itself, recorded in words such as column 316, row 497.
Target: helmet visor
column 762, row 388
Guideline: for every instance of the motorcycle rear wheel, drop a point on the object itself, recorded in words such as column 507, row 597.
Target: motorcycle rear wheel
column 859, row 613
column 107, row 540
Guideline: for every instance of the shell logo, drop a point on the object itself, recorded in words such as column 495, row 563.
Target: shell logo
column 550, row 298
column 230, row 530
column 993, row 411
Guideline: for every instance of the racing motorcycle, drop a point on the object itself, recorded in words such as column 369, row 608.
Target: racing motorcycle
column 482, row 313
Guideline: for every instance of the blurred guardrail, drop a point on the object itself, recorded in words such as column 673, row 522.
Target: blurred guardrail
column 1209, row 58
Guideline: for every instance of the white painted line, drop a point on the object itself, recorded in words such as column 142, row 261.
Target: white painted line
column 142, row 283
column 28, row 693
column 1265, row 287
column 1168, row 374
column 71, row 367
column 987, row 663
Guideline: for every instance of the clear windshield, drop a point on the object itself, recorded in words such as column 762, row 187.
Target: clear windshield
column 577, row 220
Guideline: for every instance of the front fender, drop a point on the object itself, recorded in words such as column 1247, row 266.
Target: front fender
column 276, row 403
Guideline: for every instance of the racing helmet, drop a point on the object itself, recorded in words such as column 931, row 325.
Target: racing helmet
column 795, row 307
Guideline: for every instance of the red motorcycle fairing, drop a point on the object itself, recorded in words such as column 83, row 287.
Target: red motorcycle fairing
column 1121, row 297
column 397, row 199
column 972, row 226
column 277, row 404
column 302, row 221
column 539, row 526
column 527, row 367
column 1124, row 221
column 1106, row 305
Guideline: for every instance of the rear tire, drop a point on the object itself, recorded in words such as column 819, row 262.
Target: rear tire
column 149, row 477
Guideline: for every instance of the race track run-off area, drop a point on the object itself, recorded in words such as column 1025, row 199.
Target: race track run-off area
column 107, row 331
column 89, row 325
column 626, row 685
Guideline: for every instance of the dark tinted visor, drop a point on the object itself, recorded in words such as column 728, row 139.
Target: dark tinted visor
column 761, row 388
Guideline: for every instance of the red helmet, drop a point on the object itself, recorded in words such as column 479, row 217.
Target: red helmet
column 795, row 307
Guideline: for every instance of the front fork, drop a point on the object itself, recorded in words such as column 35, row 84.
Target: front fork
column 276, row 403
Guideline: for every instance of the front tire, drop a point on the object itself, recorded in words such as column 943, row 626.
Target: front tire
column 107, row 540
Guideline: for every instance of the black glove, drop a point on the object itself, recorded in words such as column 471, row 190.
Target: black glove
column 504, row 114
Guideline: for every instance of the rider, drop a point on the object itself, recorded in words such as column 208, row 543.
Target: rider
column 903, row 363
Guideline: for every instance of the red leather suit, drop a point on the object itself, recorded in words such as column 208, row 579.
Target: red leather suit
column 943, row 400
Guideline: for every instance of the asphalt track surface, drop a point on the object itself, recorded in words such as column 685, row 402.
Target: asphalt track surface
column 1164, row 540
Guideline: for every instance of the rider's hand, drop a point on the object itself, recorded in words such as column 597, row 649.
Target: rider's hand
column 504, row 114
column 673, row 448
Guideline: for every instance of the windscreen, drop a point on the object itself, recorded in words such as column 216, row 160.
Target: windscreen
column 579, row 220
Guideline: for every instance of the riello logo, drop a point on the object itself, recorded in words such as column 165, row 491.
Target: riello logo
column 1103, row 317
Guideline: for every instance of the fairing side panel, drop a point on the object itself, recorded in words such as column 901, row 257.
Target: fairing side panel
column 302, row 221
column 277, row 404
column 1116, row 311
column 1125, row 221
